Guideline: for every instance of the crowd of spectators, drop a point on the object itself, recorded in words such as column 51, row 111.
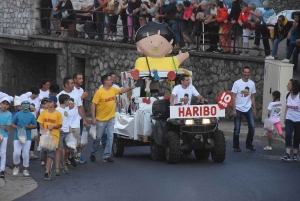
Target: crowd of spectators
column 229, row 31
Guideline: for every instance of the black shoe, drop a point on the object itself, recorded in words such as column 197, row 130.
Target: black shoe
column 123, row 40
column 252, row 148
column 233, row 52
column 237, row 149
column 108, row 160
column 73, row 162
column 217, row 51
column 93, row 158
column 2, row 174
column 47, row 176
column 295, row 158
column 286, row 157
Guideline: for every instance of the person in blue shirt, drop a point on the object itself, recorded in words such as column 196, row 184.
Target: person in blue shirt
column 23, row 119
column 5, row 122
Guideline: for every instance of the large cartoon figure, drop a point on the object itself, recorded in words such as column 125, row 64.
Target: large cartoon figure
column 155, row 41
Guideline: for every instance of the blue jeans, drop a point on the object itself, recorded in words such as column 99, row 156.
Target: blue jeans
column 237, row 128
column 104, row 137
column 291, row 127
column 276, row 43
column 176, row 31
column 101, row 128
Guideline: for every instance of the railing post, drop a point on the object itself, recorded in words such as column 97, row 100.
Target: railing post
column 234, row 37
column 48, row 19
column 75, row 31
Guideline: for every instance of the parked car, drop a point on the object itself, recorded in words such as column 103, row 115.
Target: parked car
column 289, row 14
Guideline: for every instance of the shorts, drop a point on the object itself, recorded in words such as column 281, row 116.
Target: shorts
column 57, row 16
column 271, row 33
column 106, row 21
column 62, row 141
column 237, row 30
column 76, row 134
column 47, row 154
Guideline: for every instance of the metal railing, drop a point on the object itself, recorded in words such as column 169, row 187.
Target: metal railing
column 200, row 34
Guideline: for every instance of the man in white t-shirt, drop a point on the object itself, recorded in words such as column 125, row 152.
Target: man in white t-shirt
column 75, row 110
column 78, row 82
column 44, row 91
column 113, row 77
column 243, row 94
column 182, row 93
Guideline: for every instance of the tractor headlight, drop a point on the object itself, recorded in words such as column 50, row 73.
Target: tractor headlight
column 189, row 122
column 206, row 121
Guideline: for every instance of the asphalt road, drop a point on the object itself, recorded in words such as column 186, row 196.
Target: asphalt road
column 243, row 176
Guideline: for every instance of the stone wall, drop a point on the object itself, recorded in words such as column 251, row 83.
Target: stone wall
column 94, row 59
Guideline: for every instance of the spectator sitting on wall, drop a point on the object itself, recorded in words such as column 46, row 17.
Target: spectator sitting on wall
column 57, row 16
column 281, row 30
column 263, row 30
column 113, row 18
column 122, row 13
column 176, row 26
column 293, row 35
column 132, row 20
column 67, row 16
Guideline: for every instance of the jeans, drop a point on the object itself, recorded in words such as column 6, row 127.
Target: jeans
column 295, row 58
column 104, row 137
column 276, row 43
column 101, row 127
column 291, row 126
column 290, row 51
column 176, row 31
column 237, row 128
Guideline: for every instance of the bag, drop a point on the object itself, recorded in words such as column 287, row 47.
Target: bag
column 268, row 125
column 93, row 132
column 34, row 134
column 22, row 135
column 161, row 107
column 64, row 14
column 84, row 137
column 47, row 142
column 1, row 133
column 71, row 141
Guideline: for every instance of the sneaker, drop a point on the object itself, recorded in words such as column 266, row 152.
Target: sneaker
column 252, row 148
column 26, row 173
column 38, row 148
column 68, row 162
column 93, row 158
column 72, row 161
column 15, row 171
column 285, row 61
column 56, row 172
column 108, row 160
column 268, row 148
column 270, row 57
column 47, row 176
column 217, row 51
column 255, row 48
column 237, row 149
column 238, row 53
column 286, row 157
column 80, row 159
column 244, row 54
column 2, row 174
column 65, row 169
column 209, row 50
column 114, row 39
column 185, row 48
column 42, row 163
column 295, row 158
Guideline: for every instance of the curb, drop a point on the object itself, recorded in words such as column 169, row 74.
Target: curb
column 13, row 187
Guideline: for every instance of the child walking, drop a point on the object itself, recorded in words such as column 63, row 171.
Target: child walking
column 23, row 119
column 64, row 132
column 42, row 108
column 274, row 111
column 51, row 120
column 5, row 122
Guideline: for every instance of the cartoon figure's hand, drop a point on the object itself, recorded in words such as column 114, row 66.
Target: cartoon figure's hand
column 182, row 56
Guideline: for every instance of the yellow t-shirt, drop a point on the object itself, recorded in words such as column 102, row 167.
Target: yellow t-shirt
column 105, row 101
column 160, row 64
column 112, row 3
column 48, row 119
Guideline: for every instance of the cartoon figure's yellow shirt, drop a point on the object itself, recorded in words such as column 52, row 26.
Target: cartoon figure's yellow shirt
column 160, row 64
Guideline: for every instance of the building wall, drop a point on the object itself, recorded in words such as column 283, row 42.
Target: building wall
column 280, row 5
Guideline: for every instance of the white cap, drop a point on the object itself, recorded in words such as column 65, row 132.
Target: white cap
column 6, row 98
column 17, row 101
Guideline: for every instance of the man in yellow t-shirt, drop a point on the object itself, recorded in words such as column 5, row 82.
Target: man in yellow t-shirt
column 51, row 120
column 103, row 110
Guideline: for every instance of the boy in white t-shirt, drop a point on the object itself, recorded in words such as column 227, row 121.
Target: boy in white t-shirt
column 243, row 95
column 182, row 94
column 274, row 111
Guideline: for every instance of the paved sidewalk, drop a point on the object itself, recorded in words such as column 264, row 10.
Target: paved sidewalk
column 13, row 187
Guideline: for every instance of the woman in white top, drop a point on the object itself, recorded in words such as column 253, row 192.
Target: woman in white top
column 292, row 120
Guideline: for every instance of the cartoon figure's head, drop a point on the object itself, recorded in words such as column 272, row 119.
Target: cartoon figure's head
column 155, row 40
